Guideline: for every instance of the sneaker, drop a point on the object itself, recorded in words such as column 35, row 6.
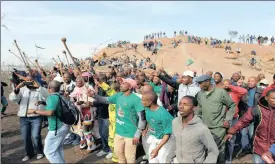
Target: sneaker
column 26, row 158
column 109, row 155
column 39, row 156
column 101, row 153
column 83, row 144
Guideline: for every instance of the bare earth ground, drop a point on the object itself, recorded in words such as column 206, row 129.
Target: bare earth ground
column 12, row 148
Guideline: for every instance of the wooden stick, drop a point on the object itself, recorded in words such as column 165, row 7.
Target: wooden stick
column 64, row 52
column 55, row 61
column 59, row 59
column 64, row 42
column 20, row 53
column 16, row 56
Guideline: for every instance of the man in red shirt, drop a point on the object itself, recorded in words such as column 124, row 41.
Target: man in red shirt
column 272, row 86
column 236, row 93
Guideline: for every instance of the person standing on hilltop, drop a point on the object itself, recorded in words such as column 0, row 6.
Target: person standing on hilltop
column 272, row 40
column 175, row 33
column 160, row 34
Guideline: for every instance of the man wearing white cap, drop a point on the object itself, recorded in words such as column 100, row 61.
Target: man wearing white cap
column 187, row 87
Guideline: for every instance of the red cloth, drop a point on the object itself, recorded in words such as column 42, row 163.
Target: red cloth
column 236, row 94
column 268, row 89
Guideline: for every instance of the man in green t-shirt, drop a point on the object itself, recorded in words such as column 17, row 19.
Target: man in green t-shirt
column 53, row 148
column 158, row 130
column 130, row 120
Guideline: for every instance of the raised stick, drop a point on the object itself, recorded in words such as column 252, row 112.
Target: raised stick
column 64, row 52
column 64, row 42
column 20, row 53
column 16, row 56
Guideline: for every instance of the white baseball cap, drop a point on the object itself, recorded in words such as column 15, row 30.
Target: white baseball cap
column 188, row 73
column 264, row 81
column 59, row 79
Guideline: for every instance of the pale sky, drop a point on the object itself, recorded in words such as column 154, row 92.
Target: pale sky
column 87, row 24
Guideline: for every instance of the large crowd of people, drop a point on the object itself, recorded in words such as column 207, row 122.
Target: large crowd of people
column 179, row 118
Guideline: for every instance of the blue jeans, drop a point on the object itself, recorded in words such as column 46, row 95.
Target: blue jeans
column 257, row 159
column 54, row 144
column 231, row 143
column 30, row 128
column 247, row 134
column 103, row 125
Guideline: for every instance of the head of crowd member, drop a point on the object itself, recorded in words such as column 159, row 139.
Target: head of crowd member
column 127, row 85
column 120, row 75
column 240, row 82
column 140, row 80
column 102, row 78
column 86, row 76
column 67, row 78
column 141, row 74
column 187, row 77
column 149, row 99
column 108, row 75
column 270, row 98
column 76, row 73
column 30, row 83
column 146, row 88
column 54, row 86
column 261, row 76
column 226, row 84
column 151, row 77
column 187, row 106
column 79, row 81
column 195, row 73
column 218, row 77
column 236, row 76
column 115, row 86
column 170, row 89
column 156, row 80
column 264, row 83
column 252, row 82
column 179, row 79
column 209, row 73
column 205, row 82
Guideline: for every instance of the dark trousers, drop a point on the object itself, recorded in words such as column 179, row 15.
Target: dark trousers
column 30, row 128
column 103, row 126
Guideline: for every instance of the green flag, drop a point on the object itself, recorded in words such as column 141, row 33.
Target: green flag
column 189, row 62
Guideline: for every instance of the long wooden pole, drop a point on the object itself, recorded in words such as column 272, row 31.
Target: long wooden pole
column 20, row 53
column 66, row 47
column 64, row 52
column 16, row 56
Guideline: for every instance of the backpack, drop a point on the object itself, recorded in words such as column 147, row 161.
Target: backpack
column 69, row 113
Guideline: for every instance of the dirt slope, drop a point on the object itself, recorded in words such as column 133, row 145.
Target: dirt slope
column 205, row 57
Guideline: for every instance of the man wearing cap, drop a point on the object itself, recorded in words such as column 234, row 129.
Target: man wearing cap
column 187, row 87
column 263, row 83
column 272, row 86
column 130, row 120
column 212, row 108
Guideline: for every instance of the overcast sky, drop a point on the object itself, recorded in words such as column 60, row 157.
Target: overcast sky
column 87, row 24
